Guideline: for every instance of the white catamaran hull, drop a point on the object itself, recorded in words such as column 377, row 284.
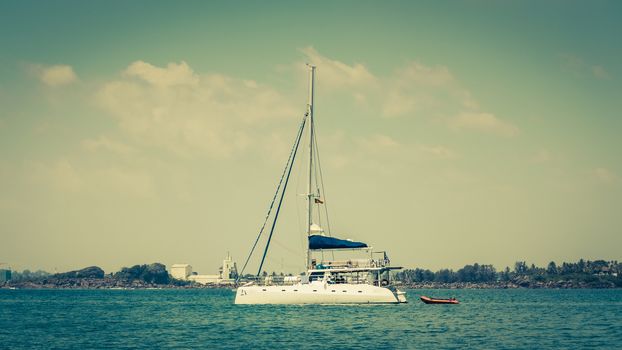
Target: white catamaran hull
column 318, row 293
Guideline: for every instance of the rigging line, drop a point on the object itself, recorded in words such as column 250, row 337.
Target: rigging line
column 278, row 209
column 315, row 176
column 286, row 248
column 298, row 202
column 317, row 183
column 289, row 160
column 317, row 154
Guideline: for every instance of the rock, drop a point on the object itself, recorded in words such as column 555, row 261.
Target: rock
column 87, row 272
column 152, row 273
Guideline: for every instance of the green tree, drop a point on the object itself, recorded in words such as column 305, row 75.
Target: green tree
column 520, row 268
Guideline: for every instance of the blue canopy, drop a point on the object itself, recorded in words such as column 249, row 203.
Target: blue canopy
column 323, row 242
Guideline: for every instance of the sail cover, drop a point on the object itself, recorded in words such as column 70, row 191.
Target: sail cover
column 323, row 242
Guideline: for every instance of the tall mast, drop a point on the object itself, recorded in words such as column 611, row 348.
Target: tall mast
column 310, row 195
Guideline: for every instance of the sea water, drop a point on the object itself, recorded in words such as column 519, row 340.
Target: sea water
column 204, row 318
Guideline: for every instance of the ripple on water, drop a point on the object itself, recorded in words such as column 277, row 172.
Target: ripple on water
column 502, row 319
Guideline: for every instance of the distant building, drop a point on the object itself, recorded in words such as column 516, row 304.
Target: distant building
column 5, row 275
column 227, row 273
column 229, row 269
column 181, row 271
column 205, row 279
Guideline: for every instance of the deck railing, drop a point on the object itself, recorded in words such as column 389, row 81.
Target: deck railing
column 353, row 263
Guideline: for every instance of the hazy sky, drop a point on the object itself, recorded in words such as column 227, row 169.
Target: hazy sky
column 450, row 132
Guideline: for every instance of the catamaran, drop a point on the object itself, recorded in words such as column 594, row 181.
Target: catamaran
column 364, row 280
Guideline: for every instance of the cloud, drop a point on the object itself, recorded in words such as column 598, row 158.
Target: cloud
column 385, row 145
column 579, row 67
column 606, row 176
column 173, row 74
column 65, row 176
column 437, row 151
column 418, row 89
column 104, row 143
column 484, row 122
column 54, row 76
column 378, row 143
column 61, row 174
column 542, row 156
column 191, row 114
column 335, row 74
column 426, row 75
column 600, row 72
column 172, row 107
column 415, row 90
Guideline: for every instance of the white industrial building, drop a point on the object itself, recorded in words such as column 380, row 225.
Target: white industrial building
column 228, row 272
column 181, row 271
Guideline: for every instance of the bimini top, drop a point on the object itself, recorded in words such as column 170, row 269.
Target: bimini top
column 323, row 242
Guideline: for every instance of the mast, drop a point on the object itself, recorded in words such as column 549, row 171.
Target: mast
column 309, row 184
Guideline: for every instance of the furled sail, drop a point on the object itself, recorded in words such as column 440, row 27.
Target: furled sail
column 323, row 242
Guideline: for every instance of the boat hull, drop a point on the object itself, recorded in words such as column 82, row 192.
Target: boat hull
column 429, row 300
column 318, row 293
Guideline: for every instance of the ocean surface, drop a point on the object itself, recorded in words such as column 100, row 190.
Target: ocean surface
column 204, row 318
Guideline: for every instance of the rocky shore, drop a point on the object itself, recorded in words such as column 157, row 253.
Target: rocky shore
column 152, row 276
column 155, row 276
column 512, row 285
column 98, row 283
column 111, row 283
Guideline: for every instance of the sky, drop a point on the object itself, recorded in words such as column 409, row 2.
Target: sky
column 450, row 132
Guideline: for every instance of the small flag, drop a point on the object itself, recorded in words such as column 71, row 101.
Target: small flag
column 318, row 201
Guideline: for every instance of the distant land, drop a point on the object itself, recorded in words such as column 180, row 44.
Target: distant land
column 93, row 277
column 580, row 274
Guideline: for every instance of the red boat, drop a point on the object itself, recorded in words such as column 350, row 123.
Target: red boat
column 429, row 300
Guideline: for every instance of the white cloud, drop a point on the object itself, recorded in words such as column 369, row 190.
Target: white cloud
column 426, row 90
column 484, row 122
column 378, row 143
column 430, row 91
column 386, row 145
column 124, row 181
column 58, row 75
column 172, row 74
column 104, row 143
column 64, row 175
column 542, row 156
column 190, row 114
column 605, row 175
column 437, row 151
column 187, row 113
column 398, row 103
column 425, row 75
column 336, row 73
column 378, row 151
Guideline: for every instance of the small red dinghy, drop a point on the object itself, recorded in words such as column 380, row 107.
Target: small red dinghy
column 429, row 300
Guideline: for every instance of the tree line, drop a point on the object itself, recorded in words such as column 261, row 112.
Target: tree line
column 582, row 270
column 149, row 273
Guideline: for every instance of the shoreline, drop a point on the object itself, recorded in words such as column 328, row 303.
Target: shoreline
column 111, row 284
column 510, row 285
